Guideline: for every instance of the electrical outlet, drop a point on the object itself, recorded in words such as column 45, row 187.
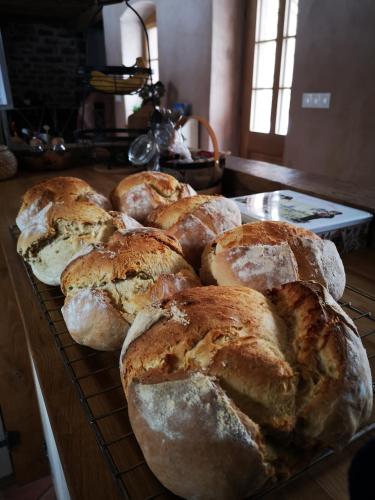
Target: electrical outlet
column 316, row 100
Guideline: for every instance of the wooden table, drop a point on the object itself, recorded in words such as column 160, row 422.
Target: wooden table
column 85, row 470
column 24, row 330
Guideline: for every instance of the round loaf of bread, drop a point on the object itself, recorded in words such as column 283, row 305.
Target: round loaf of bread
column 60, row 230
column 234, row 386
column 57, row 189
column 196, row 221
column 107, row 286
column 139, row 194
column 264, row 255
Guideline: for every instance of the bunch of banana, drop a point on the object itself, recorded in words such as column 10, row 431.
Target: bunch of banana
column 116, row 85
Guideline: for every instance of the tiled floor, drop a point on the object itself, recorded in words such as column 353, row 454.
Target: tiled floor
column 41, row 489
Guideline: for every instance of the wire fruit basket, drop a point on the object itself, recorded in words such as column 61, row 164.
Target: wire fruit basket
column 96, row 378
column 116, row 80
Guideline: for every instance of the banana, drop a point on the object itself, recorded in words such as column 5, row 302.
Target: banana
column 114, row 85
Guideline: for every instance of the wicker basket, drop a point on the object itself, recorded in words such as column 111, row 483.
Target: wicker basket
column 203, row 173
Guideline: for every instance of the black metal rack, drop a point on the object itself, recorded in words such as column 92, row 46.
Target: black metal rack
column 95, row 376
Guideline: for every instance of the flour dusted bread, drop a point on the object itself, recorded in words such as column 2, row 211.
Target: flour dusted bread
column 263, row 255
column 138, row 194
column 53, row 190
column 60, row 230
column 234, row 386
column 107, row 286
column 208, row 448
column 196, row 221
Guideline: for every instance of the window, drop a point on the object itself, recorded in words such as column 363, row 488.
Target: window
column 275, row 40
column 152, row 33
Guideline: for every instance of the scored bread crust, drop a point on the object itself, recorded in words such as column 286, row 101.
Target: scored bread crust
column 291, row 362
column 147, row 250
column 60, row 230
column 110, row 283
column 71, row 211
column 139, row 194
column 57, row 189
column 218, row 440
column 336, row 394
column 196, row 221
column 266, row 254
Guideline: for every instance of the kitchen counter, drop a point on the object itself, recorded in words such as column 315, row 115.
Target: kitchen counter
column 251, row 176
column 86, row 473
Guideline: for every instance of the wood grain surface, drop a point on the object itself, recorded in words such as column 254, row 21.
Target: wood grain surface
column 252, row 176
column 17, row 387
column 87, row 474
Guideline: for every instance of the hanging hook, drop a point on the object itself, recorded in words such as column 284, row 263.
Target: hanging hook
column 147, row 43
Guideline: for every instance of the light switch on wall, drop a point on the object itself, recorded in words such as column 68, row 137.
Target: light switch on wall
column 316, row 100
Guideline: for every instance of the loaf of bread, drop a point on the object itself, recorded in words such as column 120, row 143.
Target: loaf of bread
column 57, row 189
column 227, row 387
column 107, row 286
column 138, row 194
column 196, row 221
column 60, row 230
column 264, row 255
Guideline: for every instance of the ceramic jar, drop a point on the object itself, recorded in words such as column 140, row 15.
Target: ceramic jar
column 8, row 163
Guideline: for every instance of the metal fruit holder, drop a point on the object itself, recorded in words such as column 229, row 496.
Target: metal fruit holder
column 110, row 79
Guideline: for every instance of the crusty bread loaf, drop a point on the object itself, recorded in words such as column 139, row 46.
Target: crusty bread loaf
column 263, row 255
column 196, row 221
column 235, row 387
column 107, row 286
column 138, row 194
column 60, row 230
column 53, row 190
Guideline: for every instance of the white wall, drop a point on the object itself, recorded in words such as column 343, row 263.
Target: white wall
column 199, row 57
column 112, row 39
column 226, row 72
column 185, row 31
column 334, row 53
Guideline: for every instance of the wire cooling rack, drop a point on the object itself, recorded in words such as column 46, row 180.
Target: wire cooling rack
column 95, row 375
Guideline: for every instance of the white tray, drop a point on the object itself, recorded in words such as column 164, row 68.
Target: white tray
column 300, row 209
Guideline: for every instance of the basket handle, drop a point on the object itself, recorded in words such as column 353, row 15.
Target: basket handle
column 211, row 133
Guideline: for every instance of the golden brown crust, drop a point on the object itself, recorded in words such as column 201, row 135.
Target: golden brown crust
column 331, row 361
column 109, row 284
column 138, row 194
column 264, row 232
column 266, row 254
column 136, row 251
column 165, row 217
column 76, row 212
column 292, row 363
column 206, row 324
column 195, row 221
column 141, row 237
column 164, row 183
column 57, row 189
column 61, row 230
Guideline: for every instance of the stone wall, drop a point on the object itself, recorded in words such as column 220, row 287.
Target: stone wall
column 42, row 64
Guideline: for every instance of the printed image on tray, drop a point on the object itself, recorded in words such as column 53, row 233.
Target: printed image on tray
column 310, row 212
column 300, row 212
